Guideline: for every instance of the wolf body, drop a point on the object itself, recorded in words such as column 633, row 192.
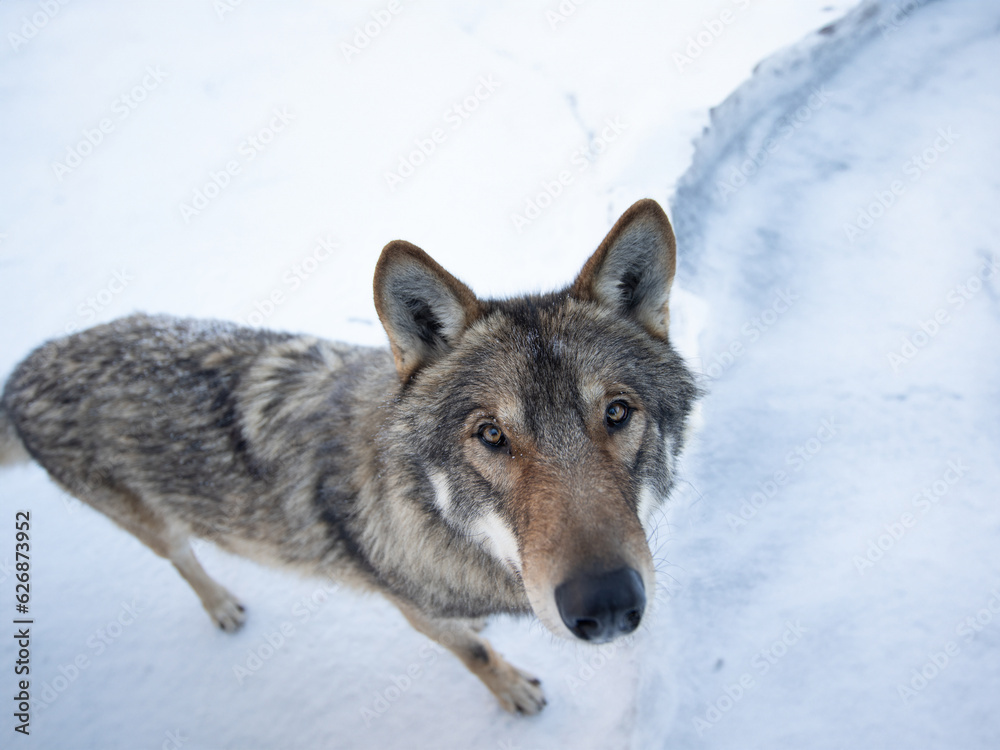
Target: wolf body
column 501, row 458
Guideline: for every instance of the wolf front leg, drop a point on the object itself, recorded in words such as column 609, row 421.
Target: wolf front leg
column 517, row 691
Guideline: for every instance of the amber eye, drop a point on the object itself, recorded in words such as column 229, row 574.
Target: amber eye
column 616, row 414
column 491, row 435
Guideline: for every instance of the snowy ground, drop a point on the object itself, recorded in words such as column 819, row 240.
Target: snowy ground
column 837, row 549
column 802, row 292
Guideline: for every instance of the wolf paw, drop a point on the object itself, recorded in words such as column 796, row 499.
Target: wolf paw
column 517, row 691
column 227, row 613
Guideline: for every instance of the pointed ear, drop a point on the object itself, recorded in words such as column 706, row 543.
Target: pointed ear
column 423, row 308
column 631, row 272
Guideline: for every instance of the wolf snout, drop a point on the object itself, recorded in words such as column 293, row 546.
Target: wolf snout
column 600, row 607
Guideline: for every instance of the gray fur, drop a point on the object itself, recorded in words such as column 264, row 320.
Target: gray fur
column 321, row 456
column 12, row 450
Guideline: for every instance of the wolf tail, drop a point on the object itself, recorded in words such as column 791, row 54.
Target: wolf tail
column 12, row 450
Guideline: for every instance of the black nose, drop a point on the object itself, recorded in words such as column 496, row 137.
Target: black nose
column 601, row 607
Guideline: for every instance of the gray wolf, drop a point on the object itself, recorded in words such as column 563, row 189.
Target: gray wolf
column 502, row 457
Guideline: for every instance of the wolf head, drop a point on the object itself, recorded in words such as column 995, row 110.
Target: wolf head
column 550, row 424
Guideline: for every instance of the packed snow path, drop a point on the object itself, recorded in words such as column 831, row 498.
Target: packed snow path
column 837, row 559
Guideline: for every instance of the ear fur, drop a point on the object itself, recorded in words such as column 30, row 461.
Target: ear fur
column 632, row 270
column 423, row 308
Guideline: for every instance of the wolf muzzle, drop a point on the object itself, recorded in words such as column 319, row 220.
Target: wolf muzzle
column 600, row 607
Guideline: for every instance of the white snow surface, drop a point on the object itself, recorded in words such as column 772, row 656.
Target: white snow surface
column 836, row 550
column 798, row 617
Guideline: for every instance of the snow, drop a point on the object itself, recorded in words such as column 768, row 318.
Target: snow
column 879, row 539
column 790, row 316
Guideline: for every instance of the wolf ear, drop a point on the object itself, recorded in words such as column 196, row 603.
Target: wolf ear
column 631, row 272
column 423, row 308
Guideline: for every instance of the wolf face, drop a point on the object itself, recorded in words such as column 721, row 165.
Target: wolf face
column 549, row 424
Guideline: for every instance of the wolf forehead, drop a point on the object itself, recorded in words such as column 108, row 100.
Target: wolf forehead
column 543, row 354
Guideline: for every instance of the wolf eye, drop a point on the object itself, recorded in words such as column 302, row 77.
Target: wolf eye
column 617, row 414
column 491, row 436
